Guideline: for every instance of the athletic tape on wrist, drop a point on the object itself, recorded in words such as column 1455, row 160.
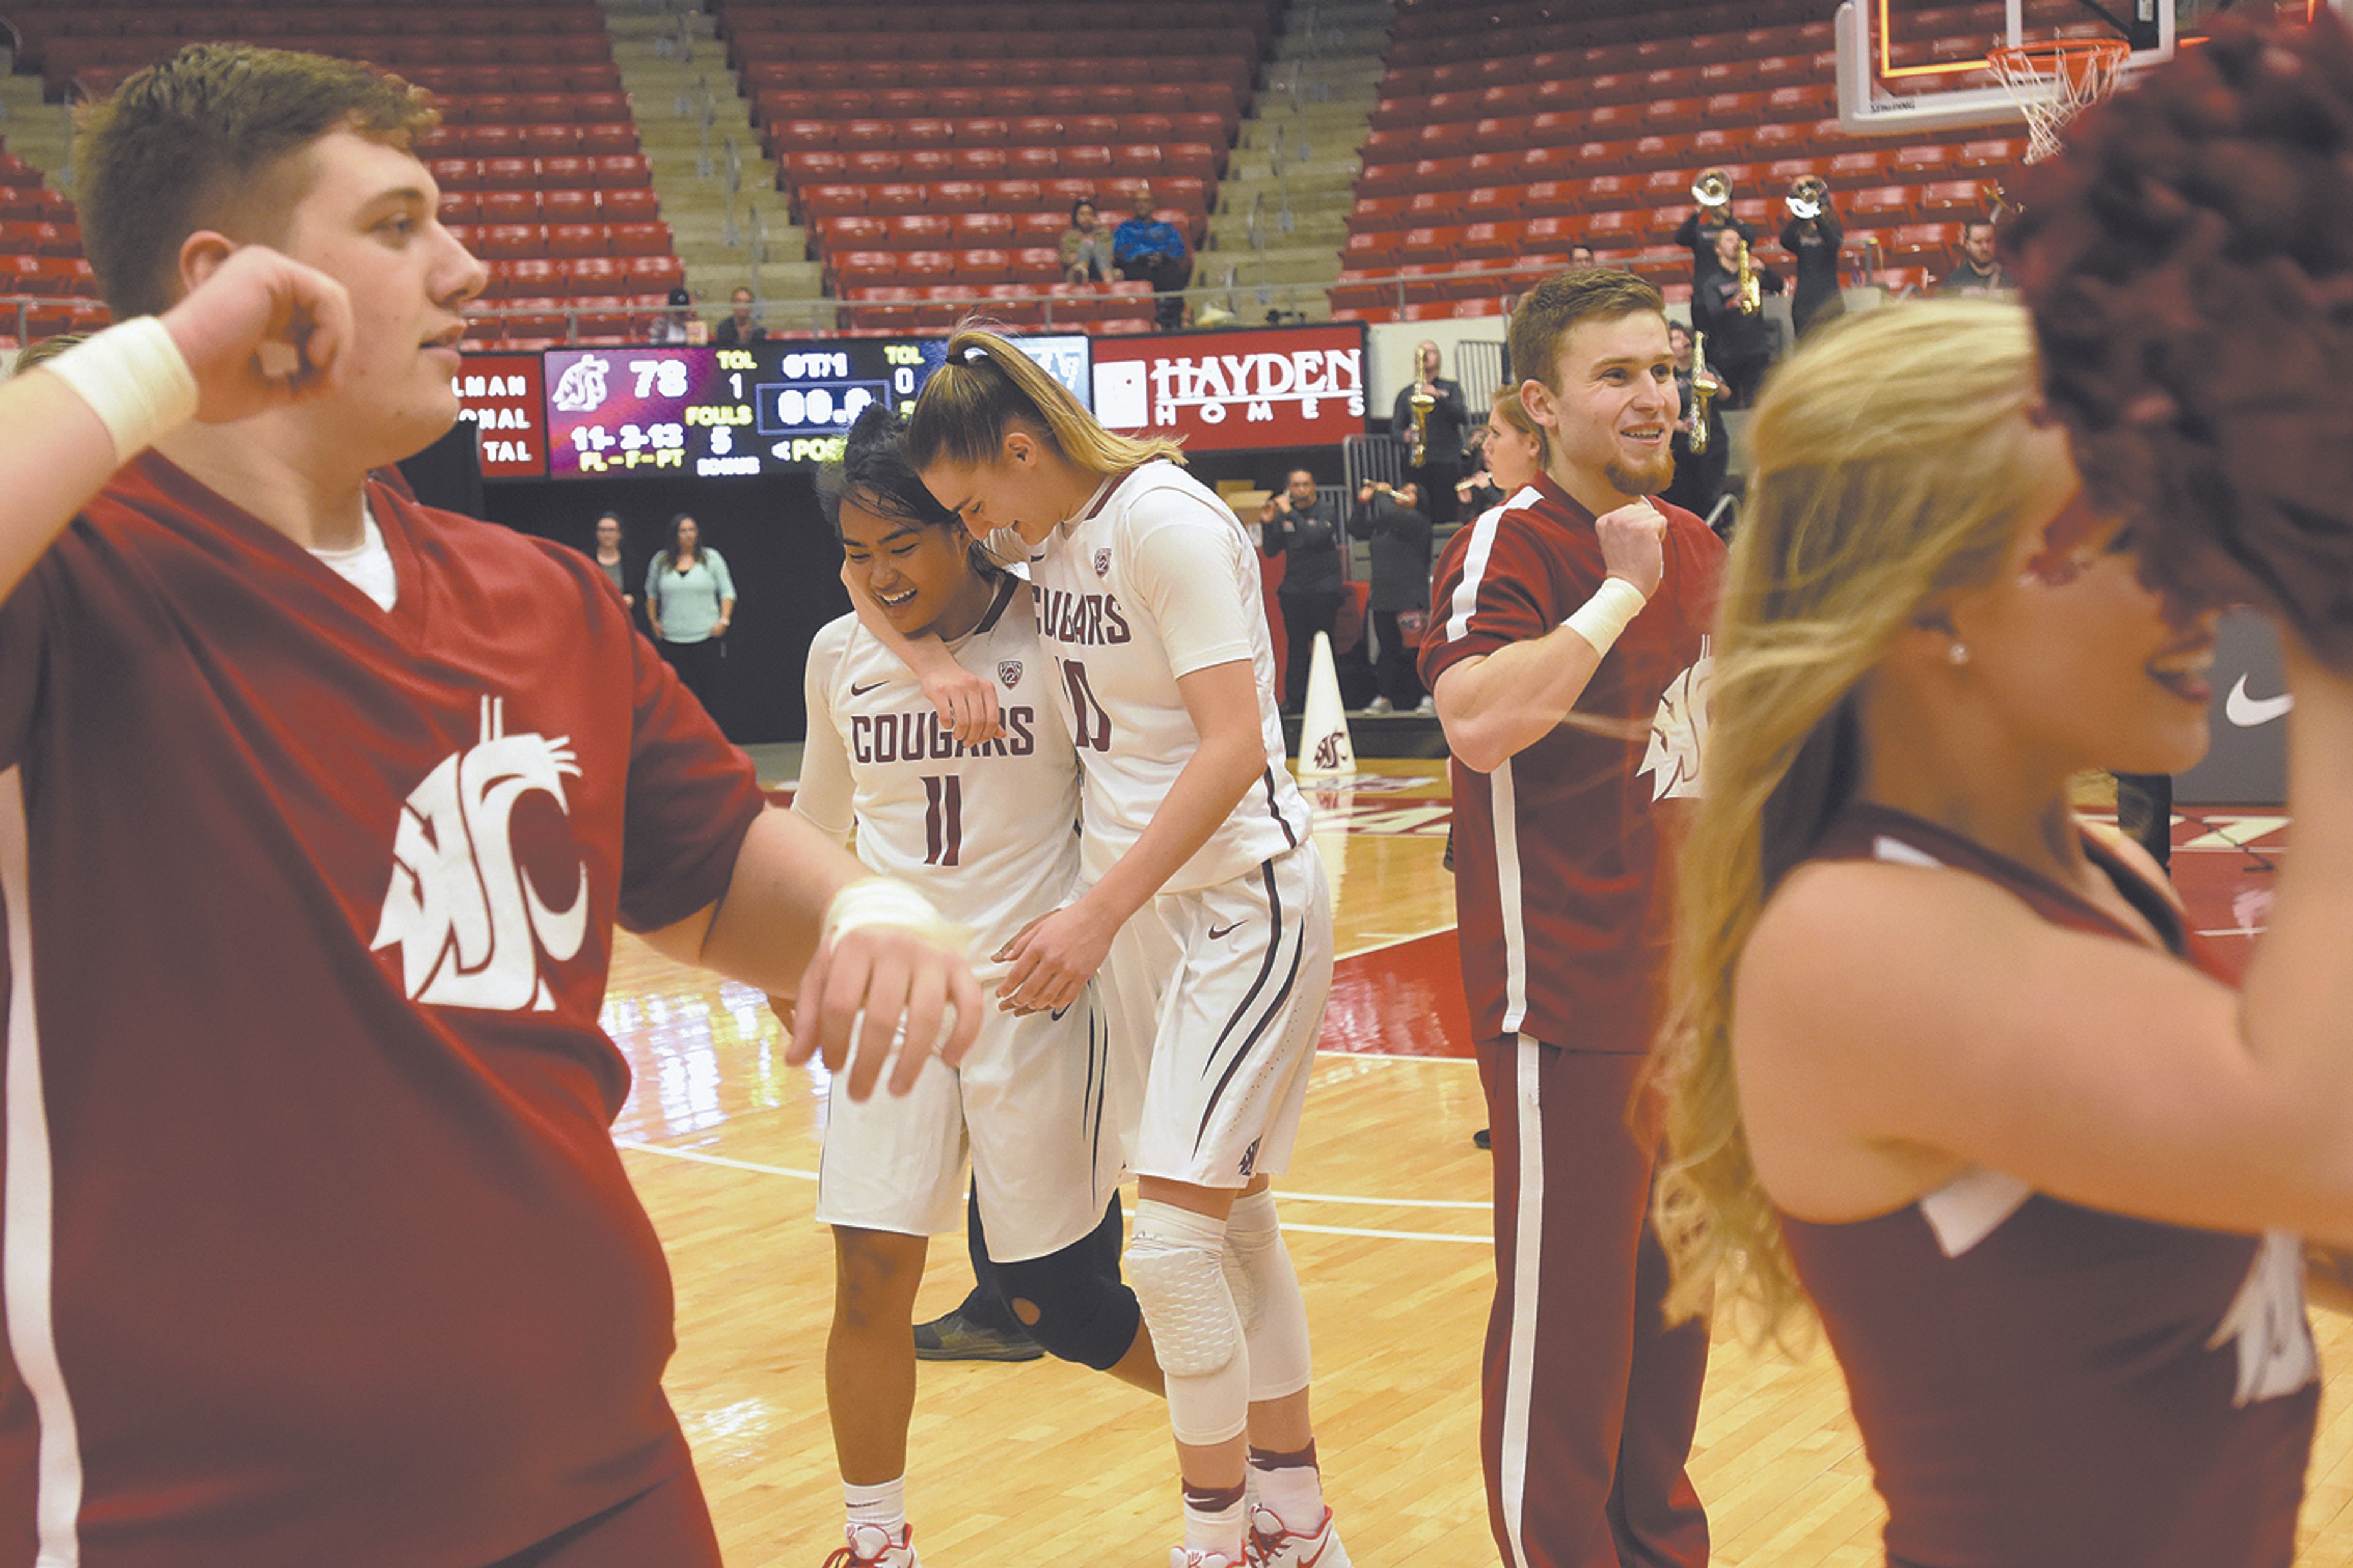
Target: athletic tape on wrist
column 135, row 379
column 1601, row 618
column 880, row 901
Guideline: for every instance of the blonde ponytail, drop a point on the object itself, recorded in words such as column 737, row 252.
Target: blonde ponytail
column 989, row 385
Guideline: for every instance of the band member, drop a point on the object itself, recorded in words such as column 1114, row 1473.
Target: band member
column 1438, row 435
column 1042, row 1100
column 1566, row 655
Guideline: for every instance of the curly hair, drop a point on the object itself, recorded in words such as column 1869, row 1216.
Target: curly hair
column 2189, row 262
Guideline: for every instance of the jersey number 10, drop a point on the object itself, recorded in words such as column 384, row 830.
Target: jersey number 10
column 1088, row 716
column 943, row 818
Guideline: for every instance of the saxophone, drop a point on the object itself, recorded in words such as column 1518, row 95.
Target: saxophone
column 1699, row 395
column 1751, row 297
column 1422, row 402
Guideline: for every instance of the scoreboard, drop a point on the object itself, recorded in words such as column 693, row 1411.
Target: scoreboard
column 764, row 409
column 718, row 413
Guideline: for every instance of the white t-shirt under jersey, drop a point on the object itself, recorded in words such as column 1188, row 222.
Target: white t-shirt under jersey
column 988, row 834
column 1154, row 580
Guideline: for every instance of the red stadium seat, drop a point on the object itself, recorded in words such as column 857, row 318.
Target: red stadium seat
column 597, row 275
column 511, row 241
column 581, row 238
column 920, row 267
column 981, row 268
column 919, row 231
column 629, row 206
column 980, row 230
column 460, row 208
column 1881, row 203
column 1960, row 198
column 624, row 171
column 510, row 206
column 639, row 239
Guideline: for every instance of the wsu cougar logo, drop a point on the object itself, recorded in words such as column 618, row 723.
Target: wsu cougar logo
column 469, row 922
column 1678, row 731
column 582, row 390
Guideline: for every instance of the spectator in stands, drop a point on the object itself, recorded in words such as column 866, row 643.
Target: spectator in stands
column 1699, row 480
column 1393, row 520
column 1740, row 337
column 1148, row 249
column 737, row 328
column 690, row 602
column 1815, row 242
column 1700, row 233
column 1442, row 430
column 1581, row 255
column 672, row 325
column 1086, row 248
column 1980, row 273
column 1297, row 524
column 608, row 555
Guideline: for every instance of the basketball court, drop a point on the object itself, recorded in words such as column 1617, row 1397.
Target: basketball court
column 1385, row 1211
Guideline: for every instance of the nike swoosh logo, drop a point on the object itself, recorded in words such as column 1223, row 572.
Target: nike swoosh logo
column 1218, row 934
column 869, row 686
column 1063, row 1009
column 2247, row 712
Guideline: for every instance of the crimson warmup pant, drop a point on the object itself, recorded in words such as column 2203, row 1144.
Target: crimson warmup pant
column 1589, row 1399
column 666, row 1524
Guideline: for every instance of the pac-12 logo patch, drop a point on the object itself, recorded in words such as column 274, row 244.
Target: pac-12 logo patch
column 1009, row 671
column 1103, row 562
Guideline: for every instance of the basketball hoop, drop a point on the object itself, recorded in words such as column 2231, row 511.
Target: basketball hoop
column 2051, row 83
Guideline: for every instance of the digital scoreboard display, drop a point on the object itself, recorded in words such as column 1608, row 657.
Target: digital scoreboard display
column 767, row 408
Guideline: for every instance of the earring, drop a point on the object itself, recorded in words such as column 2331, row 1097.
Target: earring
column 1959, row 654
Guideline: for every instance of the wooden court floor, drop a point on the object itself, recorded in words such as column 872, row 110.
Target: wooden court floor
column 1385, row 1211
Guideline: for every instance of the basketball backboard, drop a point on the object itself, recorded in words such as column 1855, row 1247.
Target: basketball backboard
column 1910, row 67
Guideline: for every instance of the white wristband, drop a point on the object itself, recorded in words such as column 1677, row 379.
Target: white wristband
column 1600, row 619
column 880, row 901
column 135, row 379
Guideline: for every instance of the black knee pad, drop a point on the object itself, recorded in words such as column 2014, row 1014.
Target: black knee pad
column 1083, row 1313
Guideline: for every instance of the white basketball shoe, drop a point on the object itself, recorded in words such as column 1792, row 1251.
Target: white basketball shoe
column 870, row 1546
column 1180, row 1557
column 1272, row 1545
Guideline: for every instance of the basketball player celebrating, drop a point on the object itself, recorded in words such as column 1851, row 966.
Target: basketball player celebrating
column 1953, row 1064
column 1202, row 891
column 1568, row 660
column 1042, row 1098
column 318, row 810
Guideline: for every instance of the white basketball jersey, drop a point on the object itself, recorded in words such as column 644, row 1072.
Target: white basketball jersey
column 988, row 834
column 1115, row 689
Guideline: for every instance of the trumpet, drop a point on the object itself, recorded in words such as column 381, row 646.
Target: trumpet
column 1807, row 194
column 1713, row 188
column 1422, row 402
column 1700, row 394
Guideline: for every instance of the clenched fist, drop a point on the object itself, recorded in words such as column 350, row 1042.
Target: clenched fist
column 262, row 332
column 1633, row 544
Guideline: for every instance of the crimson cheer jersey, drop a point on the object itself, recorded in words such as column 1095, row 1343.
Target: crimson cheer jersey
column 1559, row 867
column 2044, row 1385
column 317, row 1250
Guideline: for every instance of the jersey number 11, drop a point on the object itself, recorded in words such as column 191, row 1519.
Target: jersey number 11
column 943, row 818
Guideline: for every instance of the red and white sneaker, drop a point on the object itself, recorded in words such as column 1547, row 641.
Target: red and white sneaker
column 1181, row 1557
column 870, row 1546
column 1270, row 1545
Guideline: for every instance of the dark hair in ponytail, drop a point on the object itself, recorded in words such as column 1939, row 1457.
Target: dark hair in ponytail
column 874, row 474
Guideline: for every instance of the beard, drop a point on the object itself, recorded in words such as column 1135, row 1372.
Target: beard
column 1644, row 480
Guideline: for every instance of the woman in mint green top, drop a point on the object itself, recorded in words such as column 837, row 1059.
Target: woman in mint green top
column 690, row 601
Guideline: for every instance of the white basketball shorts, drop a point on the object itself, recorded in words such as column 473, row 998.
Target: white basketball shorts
column 1038, row 1107
column 1232, row 979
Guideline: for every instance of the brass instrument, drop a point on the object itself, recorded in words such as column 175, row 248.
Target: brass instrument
column 1700, row 394
column 1422, row 402
column 1807, row 194
column 1711, row 189
column 1751, row 297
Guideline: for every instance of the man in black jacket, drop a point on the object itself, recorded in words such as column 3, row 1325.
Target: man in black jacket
column 1815, row 242
column 1448, row 420
column 1295, row 524
column 1399, row 604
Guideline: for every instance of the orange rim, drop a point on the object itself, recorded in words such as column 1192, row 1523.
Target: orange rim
column 2073, row 60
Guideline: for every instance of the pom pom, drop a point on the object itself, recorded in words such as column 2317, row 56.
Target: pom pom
column 2189, row 262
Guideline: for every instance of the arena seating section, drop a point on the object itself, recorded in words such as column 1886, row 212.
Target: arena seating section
column 935, row 150
column 1506, row 134
column 41, row 253
column 538, row 157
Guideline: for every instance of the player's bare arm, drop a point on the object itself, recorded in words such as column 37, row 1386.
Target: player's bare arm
column 1053, row 957
column 1495, row 706
column 769, row 931
column 1896, row 1024
column 259, row 332
column 966, row 703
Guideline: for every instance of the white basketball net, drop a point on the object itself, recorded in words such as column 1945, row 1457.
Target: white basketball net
column 2052, row 83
